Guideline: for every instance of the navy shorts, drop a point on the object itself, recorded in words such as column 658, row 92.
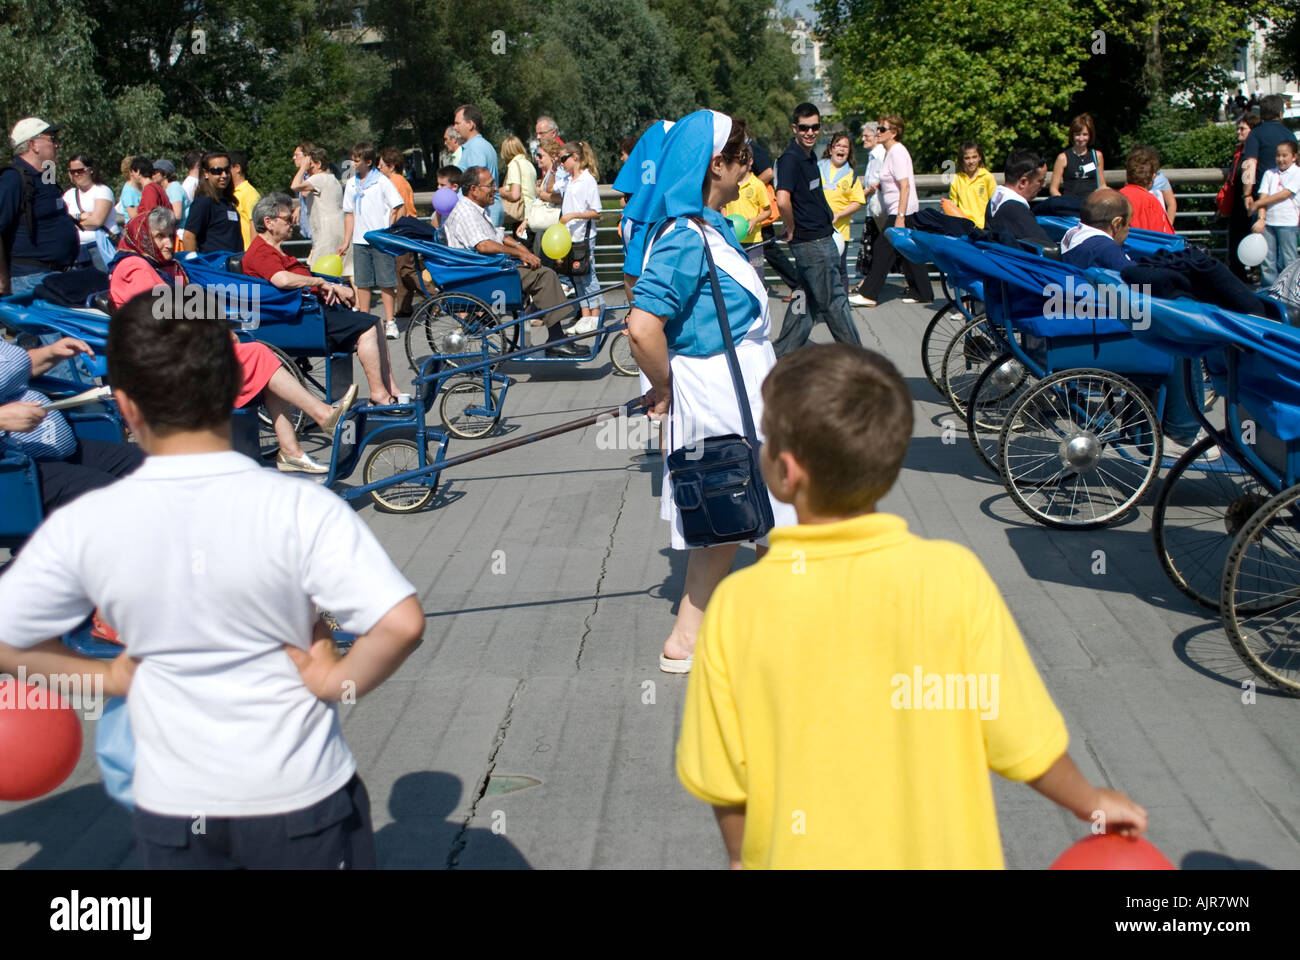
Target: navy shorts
column 373, row 268
column 333, row 834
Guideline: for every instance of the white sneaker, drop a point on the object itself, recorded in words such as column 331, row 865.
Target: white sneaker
column 585, row 325
column 390, row 330
column 304, row 464
column 1173, row 449
column 858, row 300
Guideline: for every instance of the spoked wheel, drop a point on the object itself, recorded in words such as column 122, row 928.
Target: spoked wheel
column 1080, row 449
column 941, row 331
column 1001, row 384
column 387, row 460
column 457, row 398
column 964, row 359
column 1202, row 506
column 455, row 323
column 268, row 445
column 620, row 354
column 1261, row 592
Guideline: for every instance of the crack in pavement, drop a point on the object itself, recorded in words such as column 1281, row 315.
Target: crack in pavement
column 604, row 565
column 462, row 835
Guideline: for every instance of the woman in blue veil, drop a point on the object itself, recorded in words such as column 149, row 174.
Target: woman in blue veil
column 676, row 336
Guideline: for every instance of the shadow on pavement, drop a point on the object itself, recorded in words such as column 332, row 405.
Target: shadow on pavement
column 421, row 836
column 80, row 829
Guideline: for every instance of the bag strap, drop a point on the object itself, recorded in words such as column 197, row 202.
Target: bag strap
column 742, row 398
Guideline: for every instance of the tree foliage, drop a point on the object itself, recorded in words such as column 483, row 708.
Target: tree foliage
column 998, row 71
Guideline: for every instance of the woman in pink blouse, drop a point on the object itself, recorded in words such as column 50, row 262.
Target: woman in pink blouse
column 145, row 262
column 898, row 196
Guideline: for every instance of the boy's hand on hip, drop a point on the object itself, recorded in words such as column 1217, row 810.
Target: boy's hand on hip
column 317, row 662
column 117, row 678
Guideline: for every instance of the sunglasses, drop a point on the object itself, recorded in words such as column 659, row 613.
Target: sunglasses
column 218, row 171
column 76, row 170
column 565, row 157
column 807, row 127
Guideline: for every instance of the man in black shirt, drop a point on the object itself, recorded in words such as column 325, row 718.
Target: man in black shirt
column 777, row 258
column 807, row 219
column 1008, row 210
column 1260, row 149
column 37, row 237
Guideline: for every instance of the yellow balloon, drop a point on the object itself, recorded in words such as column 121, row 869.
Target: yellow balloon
column 331, row 265
column 557, row 241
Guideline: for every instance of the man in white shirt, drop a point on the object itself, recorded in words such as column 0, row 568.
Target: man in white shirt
column 212, row 568
column 371, row 202
column 469, row 227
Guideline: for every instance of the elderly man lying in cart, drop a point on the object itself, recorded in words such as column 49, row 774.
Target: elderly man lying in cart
column 345, row 328
column 469, row 227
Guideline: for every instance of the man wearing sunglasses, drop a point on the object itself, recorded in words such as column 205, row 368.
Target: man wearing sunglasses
column 806, row 218
column 37, row 236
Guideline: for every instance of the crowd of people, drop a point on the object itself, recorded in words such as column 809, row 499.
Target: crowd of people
column 766, row 724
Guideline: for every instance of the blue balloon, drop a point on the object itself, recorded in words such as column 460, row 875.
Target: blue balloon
column 444, row 199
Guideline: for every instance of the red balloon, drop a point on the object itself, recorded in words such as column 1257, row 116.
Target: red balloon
column 1112, row 851
column 40, row 740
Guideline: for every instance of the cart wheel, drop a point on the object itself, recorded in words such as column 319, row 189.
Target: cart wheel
column 1202, row 506
column 1001, row 384
column 620, row 354
column 454, row 323
column 1261, row 592
column 456, row 398
column 268, row 445
column 942, row 329
column 964, row 359
column 387, row 460
column 1080, row 449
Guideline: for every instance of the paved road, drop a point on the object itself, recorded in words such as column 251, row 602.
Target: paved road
column 533, row 729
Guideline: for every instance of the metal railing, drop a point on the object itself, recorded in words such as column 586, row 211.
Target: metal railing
column 1196, row 218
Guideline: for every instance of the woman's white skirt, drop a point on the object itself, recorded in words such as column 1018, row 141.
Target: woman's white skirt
column 704, row 405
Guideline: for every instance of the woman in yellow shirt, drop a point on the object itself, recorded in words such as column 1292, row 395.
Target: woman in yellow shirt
column 973, row 185
column 843, row 189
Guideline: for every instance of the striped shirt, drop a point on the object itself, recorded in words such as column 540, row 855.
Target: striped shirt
column 53, row 438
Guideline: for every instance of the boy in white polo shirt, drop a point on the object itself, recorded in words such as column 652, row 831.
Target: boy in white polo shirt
column 212, row 568
column 371, row 202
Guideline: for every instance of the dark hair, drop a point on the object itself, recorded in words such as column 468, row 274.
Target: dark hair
column 1251, row 120
column 895, row 123
column 393, row 157
column 473, row 114
column 846, row 415
column 1289, row 144
column 365, row 150
column 451, row 173
column 826, row 154
column 1272, row 107
column 804, row 110
column 966, row 147
column 1020, row 163
column 206, row 186
column 1083, row 124
column 736, row 149
column 1100, row 207
column 180, row 371
column 1141, row 165
column 321, row 156
column 469, row 179
column 89, row 164
column 306, row 147
column 626, row 145
column 142, row 166
column 238, row 159
column 192, row 157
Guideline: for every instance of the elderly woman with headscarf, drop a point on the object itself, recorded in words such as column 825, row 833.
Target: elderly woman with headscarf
column 675, row 329
column 145, row 262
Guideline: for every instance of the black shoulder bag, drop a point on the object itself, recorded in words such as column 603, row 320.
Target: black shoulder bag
column 717, row 482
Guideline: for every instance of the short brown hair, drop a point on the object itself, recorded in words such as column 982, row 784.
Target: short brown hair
column 895, row 123
column 846, row 415
column 1141, row 166
column 1083, row 124
column 393, row 157
column 365, row 151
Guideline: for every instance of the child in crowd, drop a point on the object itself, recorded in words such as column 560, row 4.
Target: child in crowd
column 752, row 204
column 1278, row 209
column 212, row 570
column 865, row 740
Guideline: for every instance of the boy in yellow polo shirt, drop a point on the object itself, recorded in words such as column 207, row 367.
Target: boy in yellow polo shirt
column 853, row 688
column 752, row 204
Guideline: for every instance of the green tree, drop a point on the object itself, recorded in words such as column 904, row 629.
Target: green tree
column 1283, row 52
column 998, row 71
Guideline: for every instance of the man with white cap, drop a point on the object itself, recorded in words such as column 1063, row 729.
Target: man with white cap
column 37, row 237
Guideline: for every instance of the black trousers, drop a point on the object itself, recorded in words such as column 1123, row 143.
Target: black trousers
column 95, row 464
column 883, row 258
column 1239, row 222
column 334, row 834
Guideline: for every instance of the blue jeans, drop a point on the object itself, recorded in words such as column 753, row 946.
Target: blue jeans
column 27, row 282
column 1281, row 252
column 823, row 299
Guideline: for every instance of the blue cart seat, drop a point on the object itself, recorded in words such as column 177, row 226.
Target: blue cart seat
column 1138, row 243
column 27, row 314
column 488, row 276
column 292, row 320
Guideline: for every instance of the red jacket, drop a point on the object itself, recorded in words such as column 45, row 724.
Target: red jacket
column 1148, row 212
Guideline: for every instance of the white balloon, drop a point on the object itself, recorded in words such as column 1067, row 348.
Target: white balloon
column 1252, row 250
